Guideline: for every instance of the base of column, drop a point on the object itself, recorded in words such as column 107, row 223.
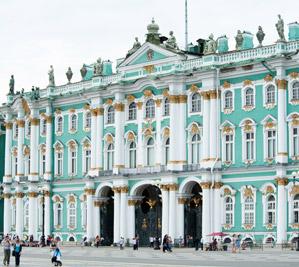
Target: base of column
column 19, row 178
column 48, row 176
column 282, row 158
column 117, row 168
column 33, row 178
column 93, row 172
column 176, row 165
column 7, row 179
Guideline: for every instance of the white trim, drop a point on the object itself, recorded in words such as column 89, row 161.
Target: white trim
column 227, row 110
column 265, row 86
column 74, row 129
column 57, row 116
column 244, row 107
column 290, row 90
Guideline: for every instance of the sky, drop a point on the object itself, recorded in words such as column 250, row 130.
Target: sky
column 37, row 33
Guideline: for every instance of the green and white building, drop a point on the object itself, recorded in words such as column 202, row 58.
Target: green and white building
column 173, row 142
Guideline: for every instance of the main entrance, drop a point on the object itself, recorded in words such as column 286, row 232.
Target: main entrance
column 148, row 215
column 193, row 215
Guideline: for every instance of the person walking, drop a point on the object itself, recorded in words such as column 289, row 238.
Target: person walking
column 6, row 246
column 17, row 248
column 121, row 243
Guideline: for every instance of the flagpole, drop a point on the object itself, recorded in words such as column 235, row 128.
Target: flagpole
column 186, row 25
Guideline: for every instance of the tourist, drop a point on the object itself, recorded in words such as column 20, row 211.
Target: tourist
column 6, row 246
column 17, row 248
column 166, row 244
column 151, row 240
column 234, row 244
column 201, row 243
column 121, row 243
column 56, row 257
column 97, row 241
column 238, row 243
column 135, row 242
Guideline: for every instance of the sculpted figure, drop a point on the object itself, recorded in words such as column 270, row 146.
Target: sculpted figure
column 51, row 76
column 239, row 40
column 210, row 46
column 12, row 85
column 98, row 67
column 135, row 47
column 280, row 28
column 260, row 35
column 171, row 42
column 69, row 74
column 83, row 71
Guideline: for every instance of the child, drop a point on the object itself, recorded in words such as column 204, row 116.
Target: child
column 56, row 257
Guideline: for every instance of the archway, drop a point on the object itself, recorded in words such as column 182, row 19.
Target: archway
column 193, row 213
column 148, row 214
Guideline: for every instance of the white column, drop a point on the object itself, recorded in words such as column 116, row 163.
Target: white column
column 97, row 225
column 182, row 155
column 213, row 125
column 139, row 141
column 165, row 209
column 181, row 217
column 281, row 210
column 123, row 211
column 93, row 134
column 206, row 208
column 116, row 228
column 282, row 153
column 21, row 133
column 217, row 207
column 48, row 173
column 206, row 127
column 131, row 219
column 89, row 191
column 172, row 211
column 34, row 137
column 99, row 139
column 33, row 211
column 47, row 211
column 8, row 142
column 19, row 211
column 158, row 132
column 7, row 210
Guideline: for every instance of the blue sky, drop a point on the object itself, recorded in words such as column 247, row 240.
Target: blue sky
column 38, row 33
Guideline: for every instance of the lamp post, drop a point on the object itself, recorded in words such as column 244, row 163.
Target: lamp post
column 295, row 175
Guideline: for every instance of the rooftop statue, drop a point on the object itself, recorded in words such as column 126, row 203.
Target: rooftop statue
column 83, row 71
column 210, row 45
column 69, row 74
column 260, row 35
column 171, row 42
column 51, row 76
column 11, row 85
column 239, row 40
column 98, row 67
column 280, row 29
column 153, row 35
column 35, row 93
column 135, row 47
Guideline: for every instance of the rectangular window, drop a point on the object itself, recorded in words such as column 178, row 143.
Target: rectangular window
column 87, row 160
column 296, row 141
column 43, row 167
column 229, row 144
column 73, row 162
column 271, row 144
column 249, row 153
column 59, row 164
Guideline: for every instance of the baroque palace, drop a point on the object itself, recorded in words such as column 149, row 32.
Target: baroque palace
column 175, row 142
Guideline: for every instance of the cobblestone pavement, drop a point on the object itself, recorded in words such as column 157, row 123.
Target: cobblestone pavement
column 145, row 257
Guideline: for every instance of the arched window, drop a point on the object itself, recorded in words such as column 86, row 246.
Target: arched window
column 110, row 115
column 295, row 91
column 87, row 160
column 229, row 147
column 59, row 158
column 132, row 111
column 249, row 211
column 44, row 127
column 28, row 128
column 59, row 214
column 196, row 103
column 150, row 109
column 271, row 144
column 295, row 141
column 195, row 149
column 249, row 146
column 229, row 212
column 228, row 100
column 87, row 120
column 249, row 97
column 270, row 94
column 167, row 147
column 296, row 208
column 16, row 130
column 59, row 124
column 72, row 158
column 26, row 215
column 150, row 152
column 271, row 208
column 72, row 215
column 73, row 126
column 132, row 155
column 166, row 107
column 110, row 157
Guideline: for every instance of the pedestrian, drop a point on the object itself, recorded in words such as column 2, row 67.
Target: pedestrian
column 201, row 243
column 121, row 243
column 56, row 257
column 6, row 246
column 238, row 243
column 17, row 249
column 234, row 244
column 166, row 243
column 151, row 239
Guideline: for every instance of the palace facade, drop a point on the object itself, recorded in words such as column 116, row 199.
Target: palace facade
column 175, row 142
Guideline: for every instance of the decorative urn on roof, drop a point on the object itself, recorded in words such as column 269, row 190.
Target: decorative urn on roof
column 153, row 35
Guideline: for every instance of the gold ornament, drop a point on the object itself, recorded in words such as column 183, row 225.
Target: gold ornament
column 281, row 84
column 205, row 185
column 226, row 85
column 282, row 181
column 294, row 75
column 165, row 93
column 109, row 101
column 130, row 98
column 193, row 88
column 268, row 78
column 149, row 68
column 247, row 82
column 147, row 93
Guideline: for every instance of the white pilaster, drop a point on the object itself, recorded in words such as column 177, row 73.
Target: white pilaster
column 99, row 139
column 8, row 142
column 33, row 211
column 89, row 191
column 172, row 211
column 21, row 135
column 7, row 209
column 158, row 132
column 165, row 210
column 181, row 217
column 206, row 128
column 206, row 207
column 116, row 228
column 213, row 125
column 19, row 211
column 93, row 134
column 281, row 210
column 34, row 137
column 217, row 207
column 47, row 210
column 48, row 173
column 131, row 218
column 139, row 141
column 123, row 211
column 97, row 214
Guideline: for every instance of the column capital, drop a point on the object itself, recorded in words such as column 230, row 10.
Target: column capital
column 124, row 189
column 205, row 95
column 8, row 125
column 48, row 118
column 6, row 195
column 205, row 185
column 21, row 123
column 34, row 121
column 133, row 202
column 19, row 194
column 47, row 193
column 282, row 181
column 116, row 189
column 281, row 84
column 119, row 107
column 32, row 194
column 139, row 105
column 182, row 200
column 89, row 191
column 172, row 187
column 158, row 102
column 218, row 185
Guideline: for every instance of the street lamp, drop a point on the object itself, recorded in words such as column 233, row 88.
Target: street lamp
column 295, row 175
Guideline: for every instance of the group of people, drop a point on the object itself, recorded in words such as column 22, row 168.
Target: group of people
column 11, row 246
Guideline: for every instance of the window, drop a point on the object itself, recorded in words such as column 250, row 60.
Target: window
column 249, row 211
column 167, row 143
column 229, row 148
column 132, row 155
column 110, row 157
column 270, row 94
column 27, row 166
column 28, row 133
column 195, row 149
column 295, row 139
column 229, row 213
column 15, row 165
column 166, row 107
column 72, row 215
column 196, row 103
column 16, row 130
column 249, row 146
column 150, row 152
column 43, row 127
column 73, row 125
column 73, row 162
column 249, row 97
column 87, row 160
column 43, row 164
column 87, row 124
column 59, row 124
column 26, row 215
column 295, row 91
column 132, row 111
column 59, row 214
column 270, row 217
column 150, row 109
column 59, row 158
column 228, row 100
column 13, row 215
column 83, row 214
column 271, row 144
column 110, row 115
column 296, row 208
